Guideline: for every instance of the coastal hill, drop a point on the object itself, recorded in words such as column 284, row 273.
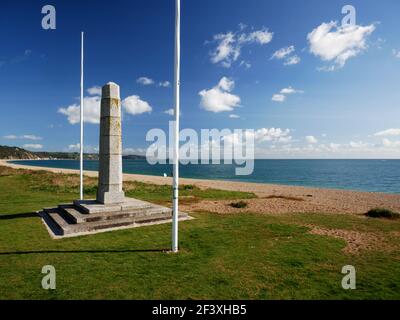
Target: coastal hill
column 16, row 153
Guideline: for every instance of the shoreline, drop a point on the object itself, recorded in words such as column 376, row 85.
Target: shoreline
column 160, row 180
column 272, row 198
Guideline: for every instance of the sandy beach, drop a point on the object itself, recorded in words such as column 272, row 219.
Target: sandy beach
column 272, row 199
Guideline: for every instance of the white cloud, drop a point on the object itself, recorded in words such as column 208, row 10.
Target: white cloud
column 91, row 108
column 245, row 64
column 331, row 42
column 273, row 134
column 230, row 44
column 262, row 37
column 396, row 53
column 311, row 139
column 261, row 137
column 134, row 105
column 23, row 137
column 32, row 146
column 234, row 116
column 278, row 98
column 170, row 112
column 286, row 53
column 290, row 90
column 283, row 52
column 91, row 111
column 74, row 147
column 145, row 81
column 94, row 91
column 358, row 144
column 164, row 84
column 31, row 137
column 391, row 144
column 226, row 51
column 278, row 143
column 327, row 68
column 351, row 150
column 86, row 148
column 242, row 26
column 292, row 60
column 136, row 151
column 281, row 97
column 10, row 137
column 148, row 81
column 388, row 133
column 219, row 98
column 226, row 84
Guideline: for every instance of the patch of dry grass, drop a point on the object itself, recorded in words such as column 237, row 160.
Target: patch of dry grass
column 356, row 241
column 283, row 198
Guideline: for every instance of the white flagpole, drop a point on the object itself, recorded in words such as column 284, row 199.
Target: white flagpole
column 81, row 144
column 175, row 203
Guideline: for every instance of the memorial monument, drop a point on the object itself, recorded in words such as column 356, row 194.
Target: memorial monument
column 111, row 210
column 110, row 157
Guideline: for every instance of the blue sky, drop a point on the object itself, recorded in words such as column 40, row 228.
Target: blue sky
column 310, row 88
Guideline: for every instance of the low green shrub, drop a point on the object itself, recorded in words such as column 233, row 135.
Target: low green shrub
column 239, row 205
column 382, row 213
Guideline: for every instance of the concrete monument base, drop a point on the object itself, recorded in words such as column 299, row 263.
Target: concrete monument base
column 90, row 216
column 111, row 197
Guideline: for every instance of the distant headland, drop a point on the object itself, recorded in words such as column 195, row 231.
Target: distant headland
column 17, row 153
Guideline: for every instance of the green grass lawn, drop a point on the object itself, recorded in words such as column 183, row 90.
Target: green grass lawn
column 241, row 256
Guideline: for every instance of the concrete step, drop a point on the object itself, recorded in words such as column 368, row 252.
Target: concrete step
column 58, row 220
column 76, row 216
column 63, row 224
column 93, row 207
column 108, row 224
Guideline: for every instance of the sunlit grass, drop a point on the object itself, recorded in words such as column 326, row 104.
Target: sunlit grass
column 241, row 256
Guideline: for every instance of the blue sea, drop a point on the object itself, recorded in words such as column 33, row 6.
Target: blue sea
column 362, row 175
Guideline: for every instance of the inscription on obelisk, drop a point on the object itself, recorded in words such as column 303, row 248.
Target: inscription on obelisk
column 110, row 153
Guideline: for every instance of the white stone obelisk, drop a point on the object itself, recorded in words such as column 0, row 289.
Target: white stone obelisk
column 110, row 153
